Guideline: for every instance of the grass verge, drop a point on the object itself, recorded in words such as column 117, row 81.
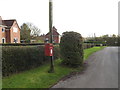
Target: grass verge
column 40, row 78
column 88, row 52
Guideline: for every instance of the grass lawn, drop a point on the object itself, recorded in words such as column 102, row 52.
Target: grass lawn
column 39, row 77
column 88, row 52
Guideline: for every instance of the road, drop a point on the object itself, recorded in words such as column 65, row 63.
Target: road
column 101, row 72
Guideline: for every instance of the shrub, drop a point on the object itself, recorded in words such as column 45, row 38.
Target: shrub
column 56, row 52
column 20, row 58
column 71, row 49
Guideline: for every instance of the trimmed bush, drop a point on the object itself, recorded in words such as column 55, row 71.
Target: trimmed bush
column 20, row 58
column 56, row 52
column 71, row 49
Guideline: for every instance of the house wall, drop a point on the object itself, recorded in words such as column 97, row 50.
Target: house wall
column 55, row 38
column 7, row 32
column 59, row 38
column 14, row 34
column 2, row 35
column 47, row 37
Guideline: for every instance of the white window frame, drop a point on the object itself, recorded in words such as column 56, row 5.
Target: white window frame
column 15, row 30
column 46, row 39
column 16, row 39
column 3, row 29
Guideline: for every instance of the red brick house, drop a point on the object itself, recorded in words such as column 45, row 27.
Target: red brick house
column 56, row 36
column 9, row 31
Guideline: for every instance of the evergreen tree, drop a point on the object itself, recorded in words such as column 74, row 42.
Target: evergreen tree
column 25, row 33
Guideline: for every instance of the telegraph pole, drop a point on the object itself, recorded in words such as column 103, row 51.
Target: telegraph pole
column 51, row 35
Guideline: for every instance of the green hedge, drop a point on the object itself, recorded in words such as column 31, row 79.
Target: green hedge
column 56, row 52
column 20, row 58
column 71, row 49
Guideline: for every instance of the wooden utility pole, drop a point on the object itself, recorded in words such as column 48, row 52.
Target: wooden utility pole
column 51, row 35
column 50, row 20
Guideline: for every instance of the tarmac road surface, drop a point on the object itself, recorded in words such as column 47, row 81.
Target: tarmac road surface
column 101, row 72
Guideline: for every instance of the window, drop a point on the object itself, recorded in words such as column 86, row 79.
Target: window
column 46, row 40
column 53, row 41
column 15, row 40
column 15, row 29
column 3, row 29
column 3, row 40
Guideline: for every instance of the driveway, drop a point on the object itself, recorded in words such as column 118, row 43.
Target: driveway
column 101, row 72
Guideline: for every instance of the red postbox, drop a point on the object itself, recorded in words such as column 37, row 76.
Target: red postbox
column 48, row 49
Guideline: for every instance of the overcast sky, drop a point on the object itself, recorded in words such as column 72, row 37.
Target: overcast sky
column 84, row 16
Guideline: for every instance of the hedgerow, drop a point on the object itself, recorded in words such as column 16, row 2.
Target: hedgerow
column 20, row 58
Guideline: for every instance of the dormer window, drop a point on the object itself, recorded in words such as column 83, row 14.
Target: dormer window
column 3, row 29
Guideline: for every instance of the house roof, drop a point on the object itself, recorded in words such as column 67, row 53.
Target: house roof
column 8, row 23
column 1, row 24
column 54, row 31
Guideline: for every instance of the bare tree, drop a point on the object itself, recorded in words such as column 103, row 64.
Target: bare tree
column 35, row 31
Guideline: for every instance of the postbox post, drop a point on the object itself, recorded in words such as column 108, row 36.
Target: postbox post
column 49, row 53
column 51, row 33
